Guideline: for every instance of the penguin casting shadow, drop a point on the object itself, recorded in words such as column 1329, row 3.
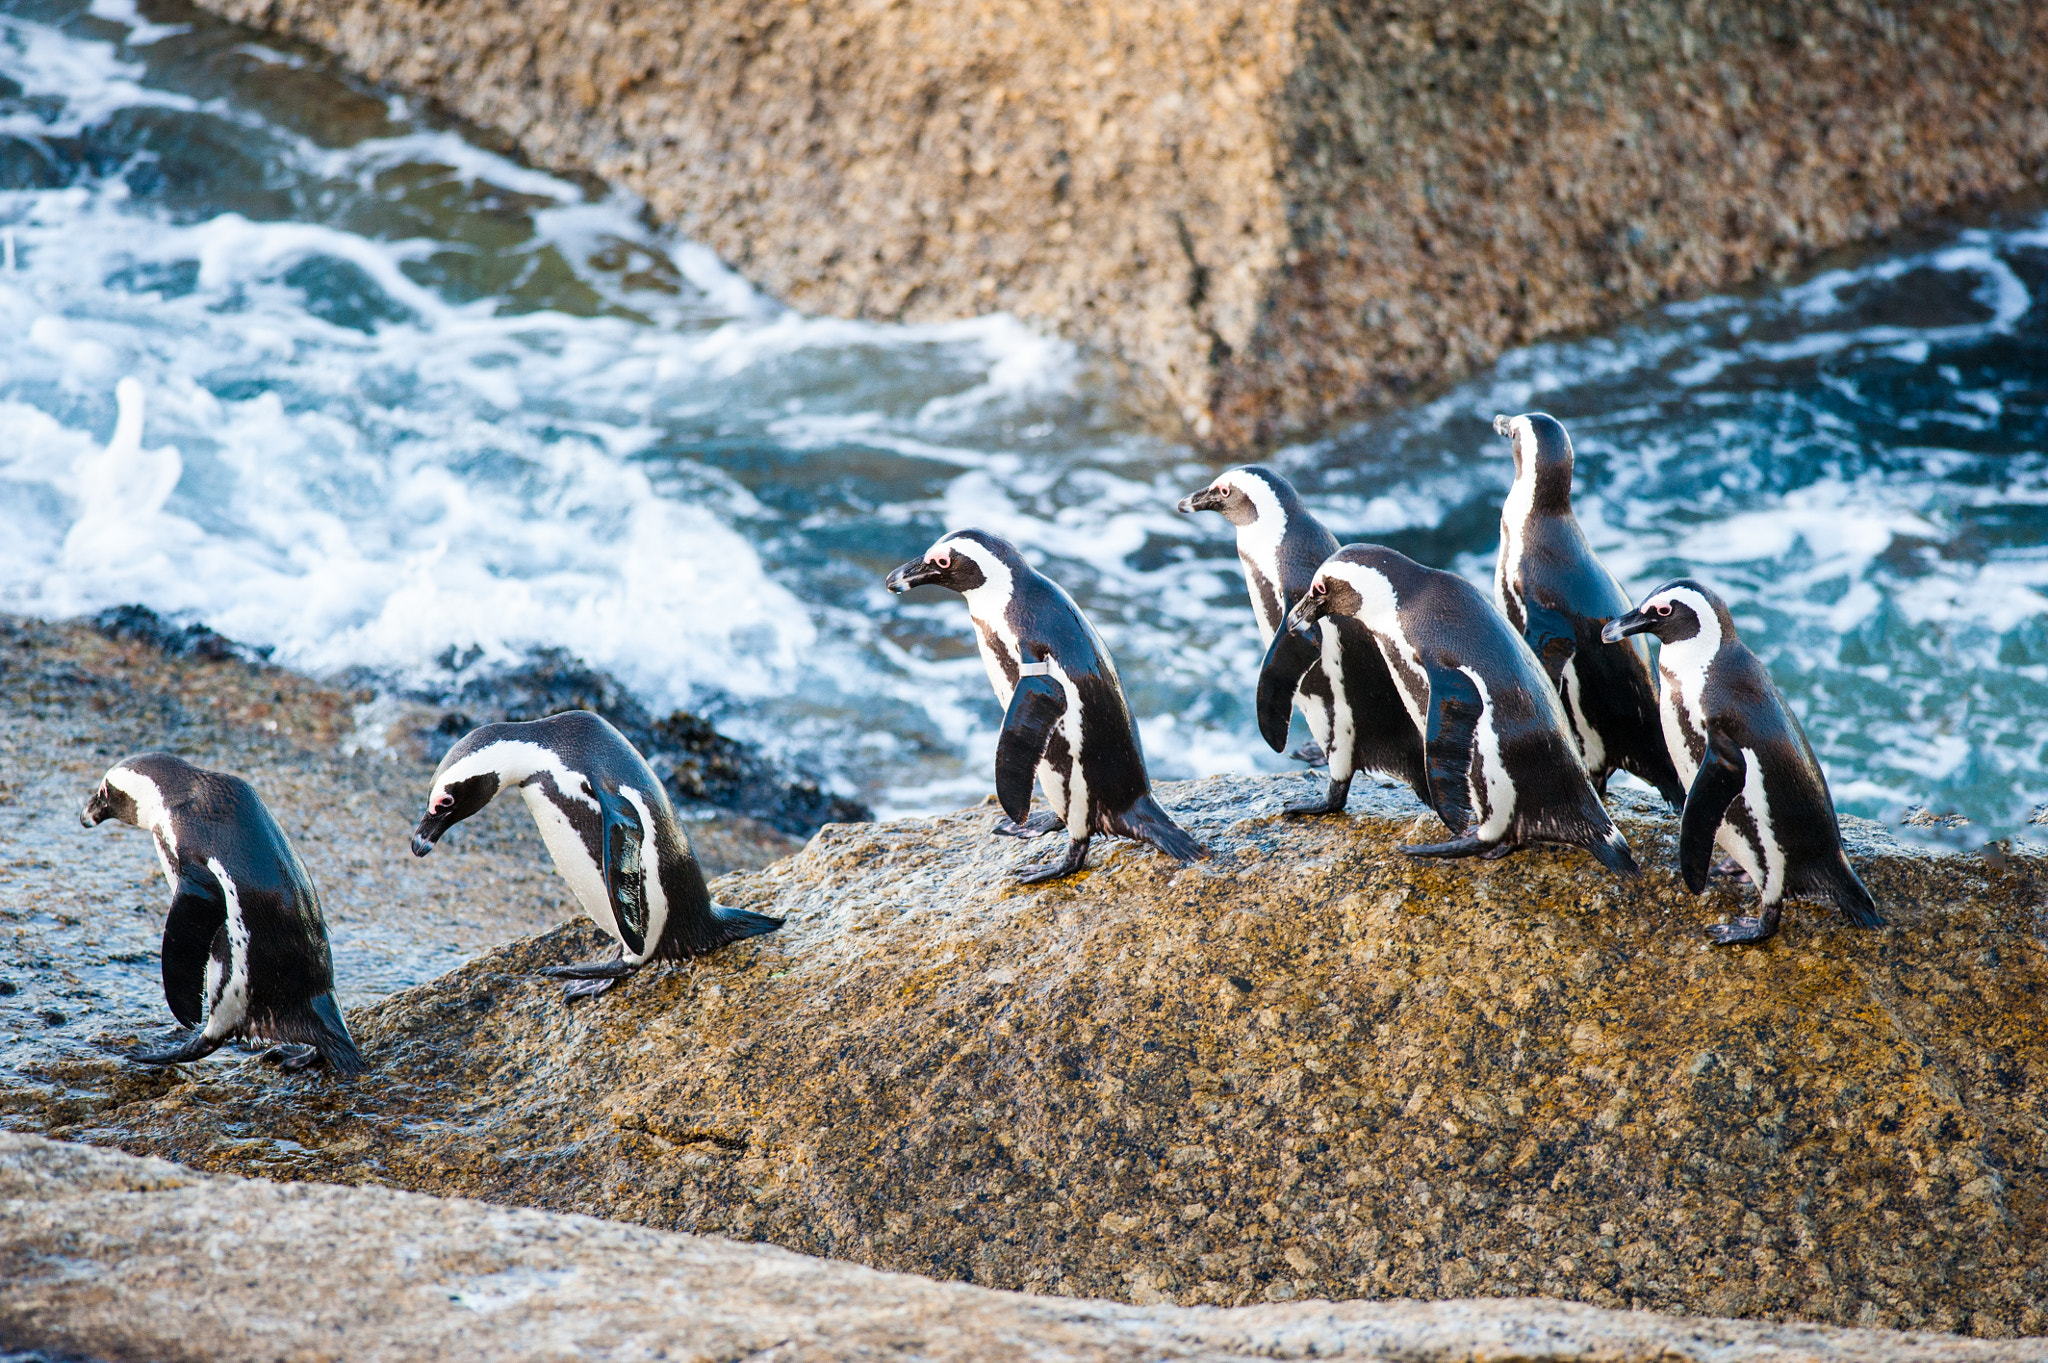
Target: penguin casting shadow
column 1755, row 788
column 1066, row 721
column 245, row 951
column 612, row 834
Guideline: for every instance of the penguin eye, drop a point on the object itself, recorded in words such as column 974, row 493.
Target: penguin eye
column 940, row 560
column 443, row 801
column 1319, row 587
column 1662, row 608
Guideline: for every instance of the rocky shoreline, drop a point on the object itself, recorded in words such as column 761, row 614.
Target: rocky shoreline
column 1308, row 1069
column 1266, row 216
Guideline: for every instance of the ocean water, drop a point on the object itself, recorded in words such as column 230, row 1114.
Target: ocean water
column 288, row 356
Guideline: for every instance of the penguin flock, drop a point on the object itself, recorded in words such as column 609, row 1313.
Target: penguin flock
column 1505, row 717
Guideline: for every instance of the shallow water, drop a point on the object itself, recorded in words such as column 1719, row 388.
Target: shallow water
column 410, row 408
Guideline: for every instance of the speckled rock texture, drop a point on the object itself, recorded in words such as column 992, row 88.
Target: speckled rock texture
column 1269, row 214
column 1309, row 1068
column 106, row 1256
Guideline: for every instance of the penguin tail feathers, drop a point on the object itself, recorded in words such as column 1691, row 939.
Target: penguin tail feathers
column 1148, row 823
column 319, row 1025
column 1613, row 853
column 736, row 925
column 1840, row 886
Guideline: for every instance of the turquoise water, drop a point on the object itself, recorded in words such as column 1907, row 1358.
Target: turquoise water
column 403, row 409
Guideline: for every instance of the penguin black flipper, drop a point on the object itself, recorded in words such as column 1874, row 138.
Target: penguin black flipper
column 1288, row 658
column 1551, row 635
column 1035, row 707
column 1454, row 710
column 625, row 873
column 198, row 912
column 1715, row 786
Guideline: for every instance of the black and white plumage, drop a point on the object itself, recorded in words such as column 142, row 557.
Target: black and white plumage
column 245, row 953
column 1344, row 690
column 1553, row 589
column 1502, row 769
column 608, row 825
column 1065, row 720
column 1755, row 788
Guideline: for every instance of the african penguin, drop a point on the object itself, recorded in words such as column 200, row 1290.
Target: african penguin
column 1281, row 544
column 1501, row 767
column 1065, row 716
column 1552, row 588
column 1755, row 788
column 608, row 825
column 245, row 947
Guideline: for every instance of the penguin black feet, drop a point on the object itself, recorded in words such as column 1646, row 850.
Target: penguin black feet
column 1037, row 826
column 291, row 1055
column 1331, row 803
column 1312, row 753
column 1077, row 853
column 590, row 978
column 1468, row 845
column 173, row 1048
column 1746, row 928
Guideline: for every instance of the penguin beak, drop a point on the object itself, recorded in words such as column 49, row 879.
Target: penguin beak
column 1501, row 426
column 1619, row 628
column 1208, row 499
column 428, row 833
column 1302, row 619
column 915, row 573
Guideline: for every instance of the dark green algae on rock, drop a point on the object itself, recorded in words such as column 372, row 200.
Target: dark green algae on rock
column 1308, row 1068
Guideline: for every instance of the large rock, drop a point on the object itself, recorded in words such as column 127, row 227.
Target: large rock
column 1272, row 213
column 106, row 1256
column 1309, row 1068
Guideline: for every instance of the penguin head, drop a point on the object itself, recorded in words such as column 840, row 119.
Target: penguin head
column 467, row 780
column 1244, row 495
column 1359, row 580
column 137, row 789
column 1675, row 613
column 1543, row 454
column 962, row 561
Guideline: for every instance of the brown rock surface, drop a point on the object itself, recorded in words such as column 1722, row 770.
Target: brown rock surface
column 108, row 1256
column 1310, row 1068
column 1271, row 214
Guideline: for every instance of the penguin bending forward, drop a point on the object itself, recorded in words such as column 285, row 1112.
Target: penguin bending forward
column 1558, row 595
column 1756, row 789
column 245, row 951
column 1501, row 767
column 1066, row 720
column 608, row 825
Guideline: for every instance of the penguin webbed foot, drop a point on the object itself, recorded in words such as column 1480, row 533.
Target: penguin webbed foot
column 588, row 989
column 1732, row 869
column 1501, row 849
column 1077, row 854
column 1467, row 845
column 1331, row 802
column 1746, row 928
column 1312, row 753
column 291, row 1055
column 173, row 1048
column 1037, row 826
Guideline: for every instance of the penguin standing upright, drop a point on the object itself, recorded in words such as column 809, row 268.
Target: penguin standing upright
column 1065, row 720
column 245, row 951
column 1502, row 770
column 1556, row 592
column 1755, row 788
column 608, row 825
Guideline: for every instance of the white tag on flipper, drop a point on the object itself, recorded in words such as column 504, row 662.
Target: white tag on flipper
column 1039, row 669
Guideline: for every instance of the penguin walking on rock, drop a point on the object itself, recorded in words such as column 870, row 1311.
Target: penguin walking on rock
column 1502, row 770
column 608, row 825
column 1558, row 595
column 245, row 954
column 1066, row 721
column 1754, row 786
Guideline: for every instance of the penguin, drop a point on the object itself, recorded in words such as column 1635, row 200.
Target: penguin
column 1753, row 784
column 1281, row 544
column 608, row 825
column 1501, row 767
column 1065, row 717
column 245, row 951
column 1558, row 595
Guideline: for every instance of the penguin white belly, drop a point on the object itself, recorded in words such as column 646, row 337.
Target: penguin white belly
column 1765, row 860
column 1340, row 742
column 230, row 992
column 1320, row 716
column 1592, row 748
column 572, row 859
column 1489, row 775
column 656, row 897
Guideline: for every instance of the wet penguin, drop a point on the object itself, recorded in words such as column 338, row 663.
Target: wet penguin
column 608, row 825
column 1502, row 770
column 1065, row 718
column 245, row 948
column 1552, row 588
column 1755, row 788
